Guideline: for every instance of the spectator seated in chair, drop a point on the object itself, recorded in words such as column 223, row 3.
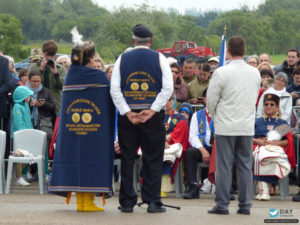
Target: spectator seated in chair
column 201, row 138
column 273, row 146
column 177, row 132
column 21, row 120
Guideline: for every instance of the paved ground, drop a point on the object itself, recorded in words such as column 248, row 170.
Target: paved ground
column 26, row 206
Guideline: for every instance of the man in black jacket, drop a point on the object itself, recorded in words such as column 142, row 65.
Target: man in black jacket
column 4, row 85
column 289, row 64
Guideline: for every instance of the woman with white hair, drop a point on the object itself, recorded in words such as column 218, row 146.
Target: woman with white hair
column 286, row 101
column 252, row 60
column 12, row 69
column 65, row 61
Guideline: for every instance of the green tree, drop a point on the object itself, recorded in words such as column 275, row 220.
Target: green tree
column 62, row 29
column 10, row 35
column 271, row 6
column 214, row 42
column 283, row 24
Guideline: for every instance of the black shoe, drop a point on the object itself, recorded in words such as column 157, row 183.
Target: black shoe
column 193, row 192
column 186, row 188
column 215, row 210
column 243, row 211
column 232, row 198
column 296, row 198
column 126, row 209
column 155, row 208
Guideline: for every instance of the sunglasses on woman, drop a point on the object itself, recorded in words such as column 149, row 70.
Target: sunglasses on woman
column 270, row 104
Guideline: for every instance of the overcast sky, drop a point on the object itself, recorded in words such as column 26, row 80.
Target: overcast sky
column 181, row 5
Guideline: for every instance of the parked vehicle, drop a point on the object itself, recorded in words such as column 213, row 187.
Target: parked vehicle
column 187, row 49
column 26, row 63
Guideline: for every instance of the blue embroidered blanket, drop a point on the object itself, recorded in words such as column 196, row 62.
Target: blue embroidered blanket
column 83, row 159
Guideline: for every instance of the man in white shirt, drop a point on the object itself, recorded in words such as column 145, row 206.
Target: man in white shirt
column 141, row 85
column 201, row 138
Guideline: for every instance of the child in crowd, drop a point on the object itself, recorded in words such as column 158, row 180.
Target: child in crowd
column 21, row 119
column 23, row 75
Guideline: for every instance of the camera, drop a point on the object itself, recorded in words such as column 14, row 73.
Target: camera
column 50, row 63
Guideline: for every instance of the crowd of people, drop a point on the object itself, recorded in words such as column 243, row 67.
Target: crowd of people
column 157, row 101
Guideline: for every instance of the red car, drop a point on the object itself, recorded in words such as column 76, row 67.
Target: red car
column 188, row 49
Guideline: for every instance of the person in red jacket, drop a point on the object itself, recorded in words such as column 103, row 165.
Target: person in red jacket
column 177, row 131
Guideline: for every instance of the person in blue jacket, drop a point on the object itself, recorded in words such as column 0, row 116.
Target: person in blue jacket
column 21, row 119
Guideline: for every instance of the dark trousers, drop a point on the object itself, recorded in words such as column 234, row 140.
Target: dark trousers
column 193, row 156
column 297, row 160
column 150, row 136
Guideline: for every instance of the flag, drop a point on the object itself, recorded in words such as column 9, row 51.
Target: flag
column 223, row 51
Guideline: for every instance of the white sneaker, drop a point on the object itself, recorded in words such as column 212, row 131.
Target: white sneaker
column 207, row 187
column 21, row 182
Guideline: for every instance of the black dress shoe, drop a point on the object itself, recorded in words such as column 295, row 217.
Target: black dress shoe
column 155, row 208
column 193, row 192
column 243, row 211
column 126, row 209
column 215, row 210
column 296, row 198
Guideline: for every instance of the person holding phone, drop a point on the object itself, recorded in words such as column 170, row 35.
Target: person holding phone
column 197, row 87
column 41, row 103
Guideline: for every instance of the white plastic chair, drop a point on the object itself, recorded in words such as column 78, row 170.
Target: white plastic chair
column 34, row 141
column 2, row 151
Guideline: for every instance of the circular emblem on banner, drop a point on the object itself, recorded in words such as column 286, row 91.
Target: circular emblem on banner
column 76, row 117
column 144, row 86
column 86, row 117
column 134, row 86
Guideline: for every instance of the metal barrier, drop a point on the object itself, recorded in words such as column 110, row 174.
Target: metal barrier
column 197, row 107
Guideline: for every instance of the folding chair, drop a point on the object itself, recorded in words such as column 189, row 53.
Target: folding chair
column 2, row 151
column 34, row 141
column 178, row 180
column 199, row 170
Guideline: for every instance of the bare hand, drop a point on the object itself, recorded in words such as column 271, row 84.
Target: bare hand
column 117, row 148
column 33, row 102
column 262, row 142
column 43, row 64
column 294, row 94
column 145, row 115
column 297, row 135
column 205, row 155
column 168, row 137
column 276, row 143
column 167, row 145
column 40, row 103
column 133, row 117
column 194, row 101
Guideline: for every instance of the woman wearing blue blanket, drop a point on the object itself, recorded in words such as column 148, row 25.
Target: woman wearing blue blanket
column 83, row 159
